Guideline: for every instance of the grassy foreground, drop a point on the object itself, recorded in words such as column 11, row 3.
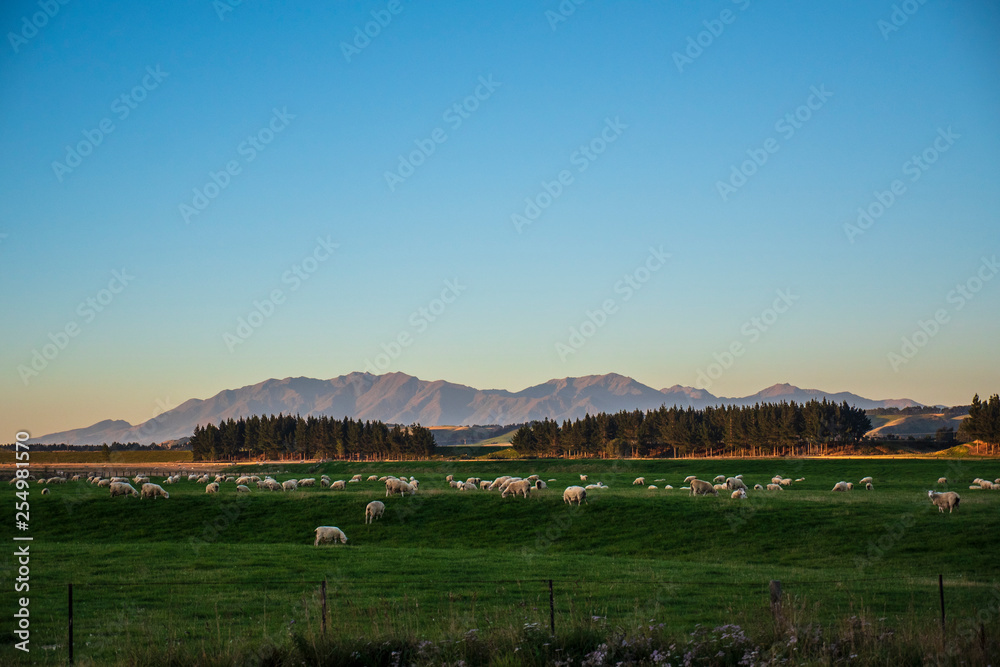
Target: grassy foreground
column 447, row 575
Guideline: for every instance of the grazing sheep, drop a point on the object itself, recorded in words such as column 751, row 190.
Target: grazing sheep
column 652, row 487
column 329, row 534
column 212, row 488
column 485, row 485
column 539, row 484
column 639, row 481
column 532, row 478
column 583, row 478
column 324, row 482
column 758, row 487
column 843, row 486
column 866, row 480
column 942, row 480
column 104, row 482
column 394, row 486
column 869, row 487
column 521, row 486
column 738, row 493
column 774, row 487
column 474, row 481
column 308, row 481
column 45, row 492
column 667, row 487
column 374, row 511
column 230, row 478
column 356, row 478
column 467, row 486
column 242, row 488
column 124, row 480
column 735, row 483
column 948, row 499
column 449, row 478
column 776, row 479
column 153, row 490
column 339, row 485
column 123, row 489
column 801, row 479
column 719, row 479
column 243, row 480
column 786, row 481
column 456, row 485
column 689, row 479
column 700, row 487
column 575, row 494
column 499, row 482
column 720, row 487
column 75, row 478
column 290, row 485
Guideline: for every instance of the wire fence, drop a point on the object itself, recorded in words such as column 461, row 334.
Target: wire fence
column 98, row 617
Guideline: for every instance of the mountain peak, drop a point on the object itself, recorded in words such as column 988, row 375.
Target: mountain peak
column 398, row 398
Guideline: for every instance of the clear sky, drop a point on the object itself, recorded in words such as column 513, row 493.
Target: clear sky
column 688, row 173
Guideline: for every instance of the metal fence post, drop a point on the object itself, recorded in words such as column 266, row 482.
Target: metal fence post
column 552, row 610
column 70, row 606
column 324, row 606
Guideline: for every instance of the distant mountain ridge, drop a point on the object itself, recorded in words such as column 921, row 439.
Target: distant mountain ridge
column 403, row 399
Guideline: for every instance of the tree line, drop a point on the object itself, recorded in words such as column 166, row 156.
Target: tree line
column 760, row 430
column 983, row 422
column 288, row 436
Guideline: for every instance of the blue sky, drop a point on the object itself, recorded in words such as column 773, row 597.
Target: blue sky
column 328, row 127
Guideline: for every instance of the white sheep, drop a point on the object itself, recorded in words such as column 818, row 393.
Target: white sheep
column 290, row 485
column 866, row 480
column 843, row 486
column 153, row 490
column 123, row 489
column 374, row 511
column 801, row 479
column 700, row 487
column 331, row 534
column 948, row 499
column 522, row 487
column 308, row 481
column 355, row 478
column 942, row 480
column 449, row 478
column 667, row 487
column 776, row 479
column 539, row 484
column 324, row 482
column 212, row 488
column 639, row 481
column 735, row 483
column 652, row 487
column 583, row 478
column 774, row 487
column 719, row 479
column 786, row 481
column 242, row 488
column 575, row 494
column 339, row 485
column 45, row 492
column 738, row 493
column 689, row 479
column 869, row 487
column 373, row 478
column 720, row 487
column 104, row 482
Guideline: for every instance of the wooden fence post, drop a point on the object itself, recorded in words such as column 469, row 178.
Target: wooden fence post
column 776, row 599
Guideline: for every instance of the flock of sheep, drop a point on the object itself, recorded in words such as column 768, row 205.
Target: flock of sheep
column 506, row 485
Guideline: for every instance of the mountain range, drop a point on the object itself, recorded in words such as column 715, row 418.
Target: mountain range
column 403, row 399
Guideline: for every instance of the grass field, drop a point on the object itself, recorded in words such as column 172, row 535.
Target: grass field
column 229, row 579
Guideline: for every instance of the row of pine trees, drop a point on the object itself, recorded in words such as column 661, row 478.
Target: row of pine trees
column 983, row 422
column 759, row 430
column 287, row 436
